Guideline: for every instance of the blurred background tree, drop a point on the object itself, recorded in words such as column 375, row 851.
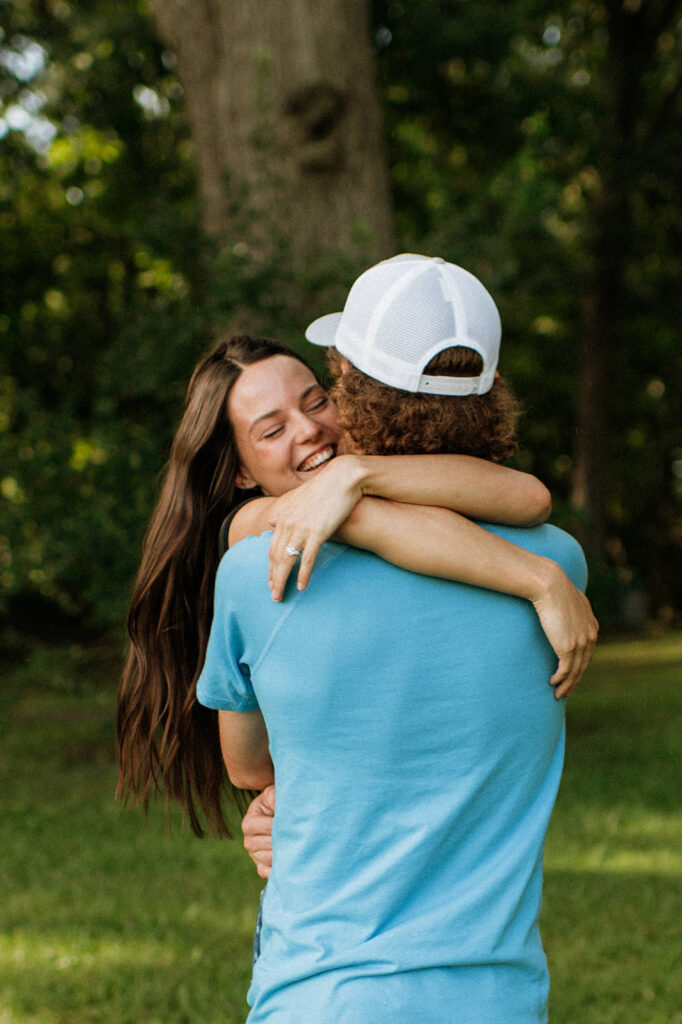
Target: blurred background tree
column 285, row 105
column 535, row 143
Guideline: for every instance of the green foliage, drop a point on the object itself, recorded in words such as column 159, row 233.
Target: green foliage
column 502, row 152
column 105, row 918
column 97, row 326
column 108, row 294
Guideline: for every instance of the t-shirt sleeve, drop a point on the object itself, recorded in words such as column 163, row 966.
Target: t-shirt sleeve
column 225, row 680
column 571, row 557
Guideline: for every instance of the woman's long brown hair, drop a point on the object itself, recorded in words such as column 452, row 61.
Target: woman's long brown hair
column 166, row 739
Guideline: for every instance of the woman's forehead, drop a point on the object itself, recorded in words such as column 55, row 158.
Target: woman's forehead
column 269, row 386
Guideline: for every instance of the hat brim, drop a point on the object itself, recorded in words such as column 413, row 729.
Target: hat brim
column 323, row 330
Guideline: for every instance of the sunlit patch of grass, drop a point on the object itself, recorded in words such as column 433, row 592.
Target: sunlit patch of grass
column 648, row 652
column 627, row 839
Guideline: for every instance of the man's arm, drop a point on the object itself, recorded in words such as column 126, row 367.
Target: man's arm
column 246, row 749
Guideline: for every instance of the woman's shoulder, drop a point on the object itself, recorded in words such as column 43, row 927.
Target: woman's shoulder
column 226, row 530
column 249, row 518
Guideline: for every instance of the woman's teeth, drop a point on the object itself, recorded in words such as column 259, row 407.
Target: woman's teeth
column 313, row 461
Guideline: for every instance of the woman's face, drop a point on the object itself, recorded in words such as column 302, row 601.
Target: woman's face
column 284, row 425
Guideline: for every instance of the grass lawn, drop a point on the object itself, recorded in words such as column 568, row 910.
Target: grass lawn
column 105, row 918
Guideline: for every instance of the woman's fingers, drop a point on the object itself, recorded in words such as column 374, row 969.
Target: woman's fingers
column 587, row 652
column 308, row 558
column 282, row 561
column 570, row 626
column 563, row 670
column 566, row 684
column 285, row 549
column 573, row 664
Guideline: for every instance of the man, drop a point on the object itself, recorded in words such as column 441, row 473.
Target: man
column 416, row 743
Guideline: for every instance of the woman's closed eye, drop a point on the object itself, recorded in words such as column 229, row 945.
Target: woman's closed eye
column 317, row 406
column 321, row 403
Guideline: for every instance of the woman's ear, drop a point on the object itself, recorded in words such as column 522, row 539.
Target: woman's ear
column 344, row 364
column 244, row 480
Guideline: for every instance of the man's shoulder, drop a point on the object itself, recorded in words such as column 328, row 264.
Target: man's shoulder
column 244, row 566
column 243, row 559
column 247, row 550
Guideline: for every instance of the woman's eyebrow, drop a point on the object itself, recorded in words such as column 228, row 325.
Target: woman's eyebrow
column 278, row 412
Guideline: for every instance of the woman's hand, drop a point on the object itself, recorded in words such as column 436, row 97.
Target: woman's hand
column 303, row 519
column 570, row 626
column 257, row 829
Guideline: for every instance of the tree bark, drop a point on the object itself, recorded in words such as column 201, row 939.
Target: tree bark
column 284, row 113
column 634, row 30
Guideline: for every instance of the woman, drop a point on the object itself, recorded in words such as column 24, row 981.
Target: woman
column 257, row 422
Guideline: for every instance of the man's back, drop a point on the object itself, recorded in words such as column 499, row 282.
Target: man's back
column 417, row 749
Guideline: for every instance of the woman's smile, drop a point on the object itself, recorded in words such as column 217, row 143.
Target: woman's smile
column 318, row 458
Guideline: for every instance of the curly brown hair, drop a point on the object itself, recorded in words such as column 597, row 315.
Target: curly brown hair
column 382, row 420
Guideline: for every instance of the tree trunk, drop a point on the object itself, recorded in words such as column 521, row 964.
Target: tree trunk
column 284, row 113
column 634, row 29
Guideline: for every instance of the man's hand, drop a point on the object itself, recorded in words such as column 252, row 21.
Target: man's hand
column 570, row 626
column 257, row 829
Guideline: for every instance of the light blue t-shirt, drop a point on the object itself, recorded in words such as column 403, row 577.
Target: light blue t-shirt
column 418, row 748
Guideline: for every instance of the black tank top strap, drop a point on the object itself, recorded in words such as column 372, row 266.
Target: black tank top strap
column 223, row 536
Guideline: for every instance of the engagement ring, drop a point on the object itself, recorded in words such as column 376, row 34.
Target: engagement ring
column 291, row 550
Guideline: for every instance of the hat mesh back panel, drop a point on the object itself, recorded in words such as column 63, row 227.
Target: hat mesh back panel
column 365, row 291
column 482, row 316
column 418, row 318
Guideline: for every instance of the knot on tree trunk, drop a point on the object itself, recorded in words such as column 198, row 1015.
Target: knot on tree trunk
column 314, row 115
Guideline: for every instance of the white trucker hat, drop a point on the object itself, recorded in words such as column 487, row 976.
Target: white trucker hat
column 400, row 313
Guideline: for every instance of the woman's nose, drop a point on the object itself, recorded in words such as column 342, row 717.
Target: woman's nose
column 306, row 428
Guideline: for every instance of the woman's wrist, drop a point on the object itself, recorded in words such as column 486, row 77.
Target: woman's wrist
column 373, row 474
column 352, row 473
column 544, row 577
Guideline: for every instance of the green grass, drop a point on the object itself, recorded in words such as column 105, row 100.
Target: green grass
column 612, row 917
column 105, row 918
